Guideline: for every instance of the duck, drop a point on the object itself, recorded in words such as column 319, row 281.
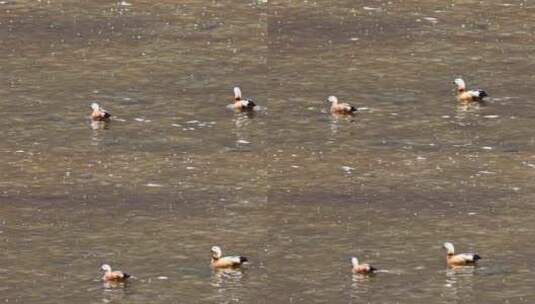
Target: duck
column 460, row 259
column 340, row 108
column 99, row 114
column 362, row 268
column 219, row 261
column 113, row 276
column 465, row 96
column 242, row 104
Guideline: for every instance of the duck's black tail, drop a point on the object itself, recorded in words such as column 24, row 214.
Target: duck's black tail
column 243, row 259
column 353, row 109
column 126, row 275
column 482, row 94
column 476, row 257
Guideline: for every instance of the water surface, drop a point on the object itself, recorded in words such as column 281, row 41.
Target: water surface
column 294, row 189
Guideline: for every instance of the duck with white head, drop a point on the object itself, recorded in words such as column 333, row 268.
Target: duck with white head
column 467, row 96
column 241, row 104
column 340, row 108
column 99, row 114
column 460, row 259
column 361, row 268
column 113, row 276
column 219, row 261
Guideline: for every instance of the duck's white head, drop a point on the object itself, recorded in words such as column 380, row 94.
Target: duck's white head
column 216, row 252
column 460, row 83
column 95, row 106
column 237, row 93
column 105, row 267
column 332, row 99
column 449, row 247
column 354, row 261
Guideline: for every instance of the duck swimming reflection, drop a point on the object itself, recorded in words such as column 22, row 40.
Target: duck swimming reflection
column 336, row 122
column 467, row 111
column 100, row 124
column 459, row 282
column 225, row 277
column 114, row 284
column 360, row 284
column 228, row 285
column 242, row 121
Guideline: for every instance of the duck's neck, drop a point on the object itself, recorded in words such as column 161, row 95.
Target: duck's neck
column 460, row 90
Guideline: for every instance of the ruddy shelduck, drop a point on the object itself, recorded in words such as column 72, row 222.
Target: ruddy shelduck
column 113, row 276
column 242, row 104
column 460, row 259
column 340, row 108
column 219, row 261
column 465, row 96
column 99, row 114
column 361, row 268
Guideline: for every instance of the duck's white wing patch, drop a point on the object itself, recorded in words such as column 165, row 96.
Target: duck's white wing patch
column 247, row 103
column 467, row 256
column 232, row 259
column 474, row 93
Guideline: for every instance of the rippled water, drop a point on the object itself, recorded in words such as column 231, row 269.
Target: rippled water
column 294, row 189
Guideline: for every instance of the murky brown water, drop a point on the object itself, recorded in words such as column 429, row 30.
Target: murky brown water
column 295, row 190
